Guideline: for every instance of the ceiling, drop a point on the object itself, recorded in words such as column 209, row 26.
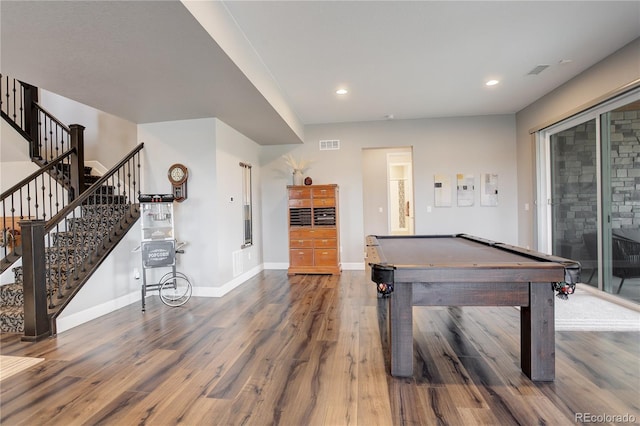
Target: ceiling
column 150, row 61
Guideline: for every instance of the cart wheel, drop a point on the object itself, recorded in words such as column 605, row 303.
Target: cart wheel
column 175, row 289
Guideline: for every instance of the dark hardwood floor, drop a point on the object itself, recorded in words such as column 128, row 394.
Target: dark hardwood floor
column 311, row 350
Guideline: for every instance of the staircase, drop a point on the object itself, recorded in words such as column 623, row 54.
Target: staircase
column 73, row 218
column 79, row 240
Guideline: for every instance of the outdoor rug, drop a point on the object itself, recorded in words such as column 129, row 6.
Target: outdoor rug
column 585, row 310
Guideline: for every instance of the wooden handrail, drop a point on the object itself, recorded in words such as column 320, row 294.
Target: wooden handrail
column 51, row 223
column 35, row 174
column 52, row 117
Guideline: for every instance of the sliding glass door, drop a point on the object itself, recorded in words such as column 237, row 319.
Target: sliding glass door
column 574, row 196
column 621, row 189
column 589, row 194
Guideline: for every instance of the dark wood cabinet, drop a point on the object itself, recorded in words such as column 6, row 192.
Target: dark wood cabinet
column 314, row 238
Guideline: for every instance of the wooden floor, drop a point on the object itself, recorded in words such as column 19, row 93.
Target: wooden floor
column 311, row 350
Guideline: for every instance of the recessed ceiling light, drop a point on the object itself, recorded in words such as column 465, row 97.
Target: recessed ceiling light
column 492, row 82
column 342, row 91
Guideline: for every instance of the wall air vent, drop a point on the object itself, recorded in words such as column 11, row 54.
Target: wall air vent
column 537, row 70
column 329, row 145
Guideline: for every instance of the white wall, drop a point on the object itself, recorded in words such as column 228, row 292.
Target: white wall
column 13, row 148
column 471, row 145
column 107, row 138
column 192, row 143
column 231, row 149
column 614, row 72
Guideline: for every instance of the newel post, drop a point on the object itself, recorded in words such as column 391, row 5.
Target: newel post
column 36, row 318
column 31, row 126
column 77, row 160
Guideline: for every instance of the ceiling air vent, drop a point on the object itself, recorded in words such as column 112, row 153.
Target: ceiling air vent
column 329, row 145
column 537, row 70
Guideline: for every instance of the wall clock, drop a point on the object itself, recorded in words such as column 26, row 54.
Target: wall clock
column 178, row 175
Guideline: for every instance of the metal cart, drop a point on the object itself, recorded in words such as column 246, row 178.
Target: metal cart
column 159, row 249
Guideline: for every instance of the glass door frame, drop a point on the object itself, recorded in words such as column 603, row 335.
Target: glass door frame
column 543, row 211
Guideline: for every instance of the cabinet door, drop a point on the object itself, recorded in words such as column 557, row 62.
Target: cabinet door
column 326, row 257
column 301, row 257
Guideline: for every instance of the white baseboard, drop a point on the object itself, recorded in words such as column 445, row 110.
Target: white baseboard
column 64, row 323
column 352, row 266
column 226, row 288
column 276, row 266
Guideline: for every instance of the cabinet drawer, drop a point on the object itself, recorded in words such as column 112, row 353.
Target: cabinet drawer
column 324, row 192
column 300, row 202
column 324, row 202
column 300, row 243
column 301, row 234
column 325, row 243
column 299, row 193
column 324, row 233
column 313, row 233
column 301, row 257
column 326, row 257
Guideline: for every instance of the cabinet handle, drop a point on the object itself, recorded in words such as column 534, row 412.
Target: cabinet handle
column 325, row 252
column 300, row 241
column 301, row 252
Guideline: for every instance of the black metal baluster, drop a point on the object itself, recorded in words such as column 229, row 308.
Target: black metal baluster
column 54, row 143
column 1, row 97
column 22, row 111
column 43, row 187
column 14, row 101
column 5, row 231
column 29, row 200
column 37, row 204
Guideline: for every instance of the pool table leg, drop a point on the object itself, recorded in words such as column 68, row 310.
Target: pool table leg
column 401, row 330
column 537, row 334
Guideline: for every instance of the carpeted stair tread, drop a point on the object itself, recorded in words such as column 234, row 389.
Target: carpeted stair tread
column 11, row 295
column 11, row 319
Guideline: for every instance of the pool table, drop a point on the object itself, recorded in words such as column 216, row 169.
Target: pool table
column 462, row 270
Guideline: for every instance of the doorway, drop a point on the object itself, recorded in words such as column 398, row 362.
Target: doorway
column 388, row 191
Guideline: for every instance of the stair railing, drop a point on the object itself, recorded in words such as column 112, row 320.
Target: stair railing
column 48, row 138
column 60, row 254
column 38, row 196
